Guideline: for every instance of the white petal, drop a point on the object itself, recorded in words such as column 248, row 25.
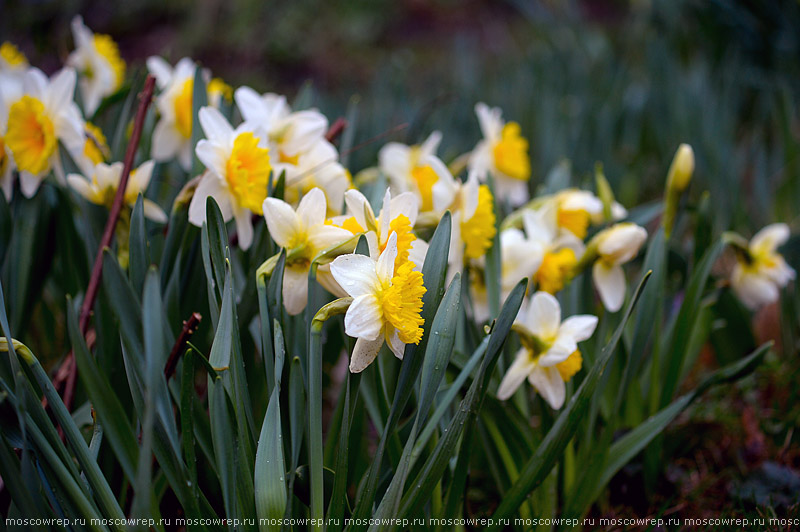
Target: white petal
column 153, row 211
column 166, row 141
column 80, row 185
column 561, row 349
column 357, row 206
column 385, row 265
column 212, row 155
column 160, row 69
column 405, row 204
column 431, row 144
column 610, row 284
column 282, row 222
column 295, row 289
column 544, row 315
column 549, row 384
column 323, row 237
column 312, row 208
column 580, row 327
column 364, row 353
column 364, row 318
column 490, row 121
column 214, row 125
column 355, row 274
column 517, row 372
column 29, row 184
column 417, row 253
column 395, row 344
column 61, row 89
column 244, row 227
column 770, row 238
column 209, row 185
column 306, row 128
column 250, row 105
column 752, row 289
column 620, row 243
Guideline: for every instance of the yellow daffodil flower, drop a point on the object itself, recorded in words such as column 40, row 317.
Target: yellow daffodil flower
column 386, row 306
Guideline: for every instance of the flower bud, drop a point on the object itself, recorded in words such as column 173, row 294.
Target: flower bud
column 681, row 169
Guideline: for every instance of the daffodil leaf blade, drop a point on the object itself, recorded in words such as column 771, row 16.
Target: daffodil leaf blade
column 269, row 480
column 138, row 256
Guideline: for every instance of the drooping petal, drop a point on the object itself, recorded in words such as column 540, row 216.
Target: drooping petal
column 295, row 289
column 516, row 374
column 549, row 384
column 153, row 211
column 579, row 327
column 364, row 353
column 29, row 184
column 364, row 318
column 609, row 279
column 244, row 227
column 166, row 141
column 323, row 236
column 395, row 344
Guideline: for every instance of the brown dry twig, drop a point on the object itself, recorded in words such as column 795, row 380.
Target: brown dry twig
column 68, row 367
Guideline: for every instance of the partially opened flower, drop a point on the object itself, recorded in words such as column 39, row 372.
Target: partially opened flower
column 614, row 247
column 760, row 271
column 415, row 169
column 239, row 166
column 503, row 152
column 101, row 186
column 560, row 247
column 386, row 306
column 97, row 60
column 304, row 234
column 549, row 356
column 41, row 117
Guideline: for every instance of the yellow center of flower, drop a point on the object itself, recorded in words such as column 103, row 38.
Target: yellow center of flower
column 576, row 221
column 247, row 171
column 183, row 109
column 555, row 267
column 107, row 48
column 352, row 225
column 11, row 55
column 402, row 226
column 219, row 90
column 289, row 159
column 511, row 153
column 425, row 178
column 96, row 147
column 570, row 366
column 478, row 232
column 30, row 136
column 402, row 303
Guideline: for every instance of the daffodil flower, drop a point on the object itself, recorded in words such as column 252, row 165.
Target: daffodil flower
column 415, row 169
column 317, row 167
column 172, row 136
column 96, row 58
column 398, row 215
column 614, row 247
column 304, row 234
column 760, row 271
column 503, row 152
column 549, row 356
column 101, row 186
column 12, row 61
column 37, row 120
column 386, row 306
column 239, row 166
column 576, row 209
column 560, row 247
column 292, row 133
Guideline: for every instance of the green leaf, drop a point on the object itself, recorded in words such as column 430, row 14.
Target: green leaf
column 562, row 431
column 139, row 258
column 270, row 487
column 199, row 100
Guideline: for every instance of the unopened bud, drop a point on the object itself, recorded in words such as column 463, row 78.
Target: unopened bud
column 681, row 169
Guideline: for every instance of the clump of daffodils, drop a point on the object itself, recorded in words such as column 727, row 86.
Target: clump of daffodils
column 257, row 157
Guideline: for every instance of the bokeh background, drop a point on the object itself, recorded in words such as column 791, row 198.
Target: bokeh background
column 618, row 82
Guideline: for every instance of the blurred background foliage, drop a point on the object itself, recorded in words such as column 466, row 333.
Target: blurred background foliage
column 622, row 82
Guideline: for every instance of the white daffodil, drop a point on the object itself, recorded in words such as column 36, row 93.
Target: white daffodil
column 549, row 356
column 561, row 248
column 760, row 271
column 398, row 215
column 415, row 169
column 304, row 234
column 101, row 186
column 292, row 133
column 386, row 306
column 473, row 224
column 97, row 60
column 37, row 120
column 238, row 164
column 317, row 167
column 503, row 152
column 172, row 136
column 520, row 258
column 614, row 247
column 12, row 61
column 576, row 209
